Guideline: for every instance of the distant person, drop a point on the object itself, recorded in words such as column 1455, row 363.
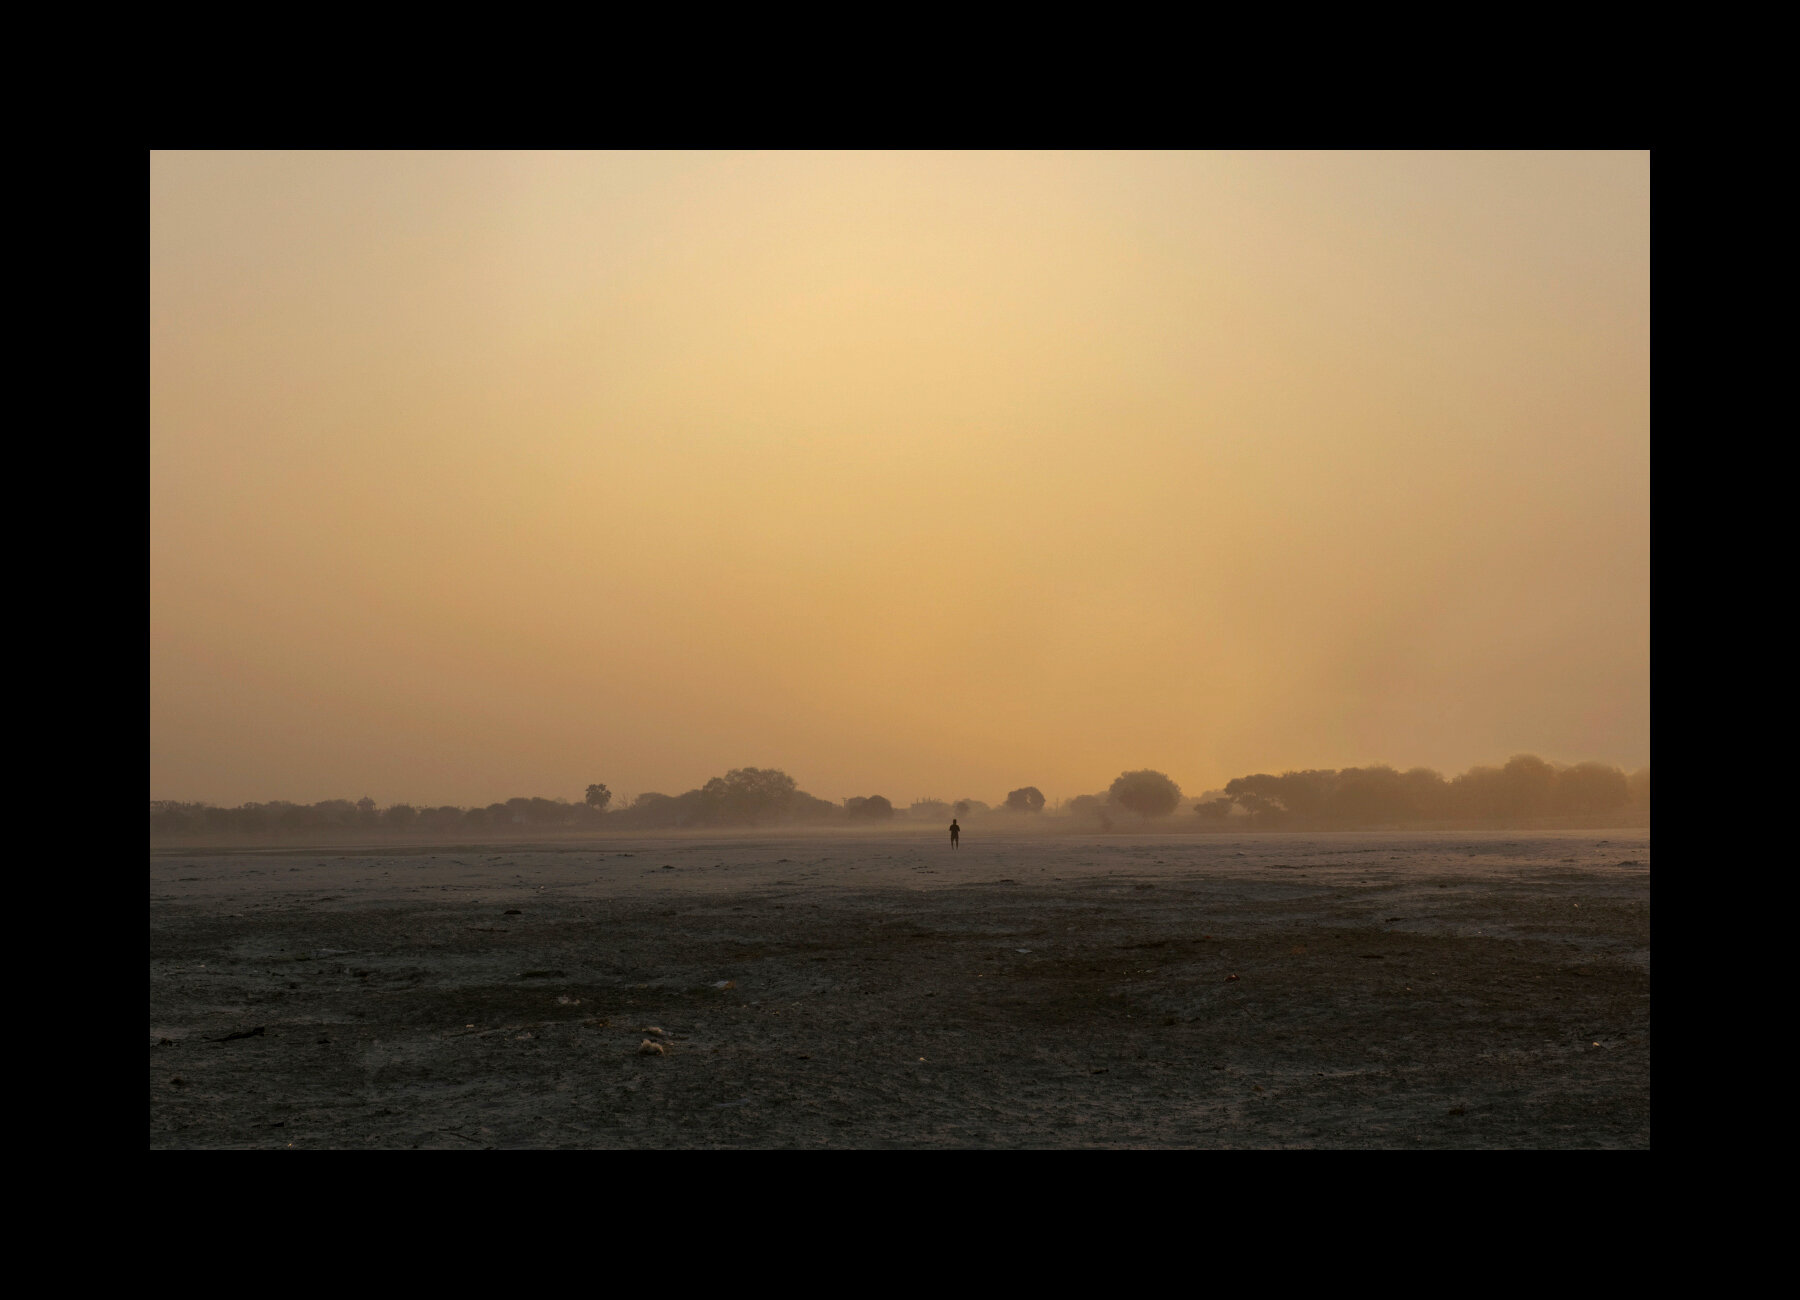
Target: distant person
column 955, row 833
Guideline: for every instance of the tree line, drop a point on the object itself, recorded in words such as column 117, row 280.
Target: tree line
column 743, row 797
column 1525, row 787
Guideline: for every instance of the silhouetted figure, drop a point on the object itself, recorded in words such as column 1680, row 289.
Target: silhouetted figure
column 955, row 833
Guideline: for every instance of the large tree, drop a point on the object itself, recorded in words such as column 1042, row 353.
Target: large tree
column 1030, row 799
column 598, row 796
column 750, row 796
column 1146, row 793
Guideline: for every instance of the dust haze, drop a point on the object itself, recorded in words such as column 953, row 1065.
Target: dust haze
column 918, row 479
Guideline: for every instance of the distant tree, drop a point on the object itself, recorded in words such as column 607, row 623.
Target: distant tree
column 873, row 808
column 1089, row 808
column 1427, row 792
column 700, row 807
column 293, row 817
column 400, row 816
column 1528, row 785
column 1029, row 800
column 598, row 796
column 961, row 807
column 439, row 819
column 1308, row 794
column 250, row 817
column 1362, row 795
column 1591, row 788
column 549, row 812
column 1215, row 810
column 811, row 810
column 168, row 817
column 649, row 811
column 1639, row 785
column 335, row 812
column 1258, row 795
column 928, row 810
column 750, row 796
column 1146, row 793
column 1478, row 792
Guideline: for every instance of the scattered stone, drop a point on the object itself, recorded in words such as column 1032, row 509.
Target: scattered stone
column 512, row 911
column 178, row 1081
column 542, row 975
column 724, row 984
column 648, row 1048
column 1231, row 978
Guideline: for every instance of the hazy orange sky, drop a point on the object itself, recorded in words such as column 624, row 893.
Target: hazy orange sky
column 475, row 475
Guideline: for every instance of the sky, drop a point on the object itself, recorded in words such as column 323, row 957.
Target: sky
column 929, row 475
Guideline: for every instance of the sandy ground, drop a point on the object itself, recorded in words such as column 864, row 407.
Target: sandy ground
column 1377, row 990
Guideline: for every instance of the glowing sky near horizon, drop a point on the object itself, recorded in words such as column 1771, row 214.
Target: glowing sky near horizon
column 475, row 475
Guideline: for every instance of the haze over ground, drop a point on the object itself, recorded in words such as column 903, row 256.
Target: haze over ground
column 930, row 474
